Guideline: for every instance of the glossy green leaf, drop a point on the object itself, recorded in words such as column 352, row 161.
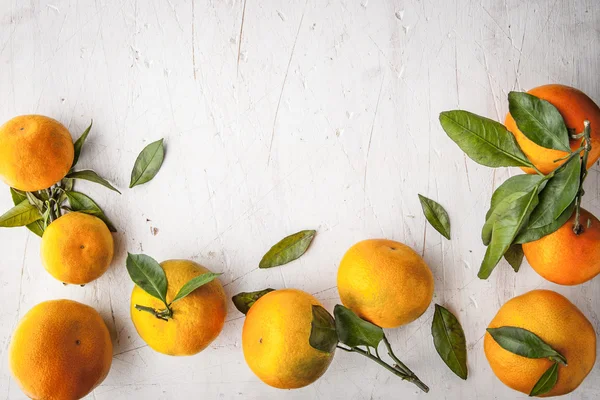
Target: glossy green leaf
column 449, row 340
column 148, row 163
column 539, row 120
column 517, row 183
column 78, row 145
column 514, row 256
column 524, row 343
column 546, row 381
column 485, row 141
column 36, row 227
column 436, row 215
column 354, row 331
column 194, row 284
column 91, row 176
column 323, row 335
column 288, row 249
column 82, row 203
column 506, row 229
column 147, row 273
column 244, row 300
column 531, row 233
column 20, row 215
column 497, row 213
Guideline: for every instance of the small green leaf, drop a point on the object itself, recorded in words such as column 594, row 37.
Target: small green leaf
column 530, row 233
column 436, row 215
column 82, row 203
column 524, row 343
column 506, row 229
column 354, row 331
column 147, row 273
column 78, row 145
column 20, row 215
column 91, row 176
column 546, row 381
column 323, row 335
column 514, row 256
column 539, row 120
column 449, row 340
column 497, row 213
column 485, row 141
column 244, row 300
column 194, row 284
column 36, row 227
column 147, row 163
column 288, row 249
column 517, row 183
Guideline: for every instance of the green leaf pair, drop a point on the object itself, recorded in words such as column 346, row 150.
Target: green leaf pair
column 149, row 275
column 524, row 343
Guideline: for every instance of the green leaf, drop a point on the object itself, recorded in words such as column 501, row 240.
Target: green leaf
column 243, row 301
column 539, row 120
column 449, row 340
column 546, row 381
column 78, row 145
column 524, row 343
column 485, row 141
column 531, row 233
column 147, row 273
column 147, row 163
column 20, row 215
column 82, row 203
column 288, row 249
column 514, row 256
column 194, row 284
column 36, row 227
column 91, row 176
column 497, row 213
column 354, row 331
column 323, row 335
column 517, row 183
column 506, row 229
column 436, row 215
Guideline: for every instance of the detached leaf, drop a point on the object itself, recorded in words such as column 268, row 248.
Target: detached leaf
column 485, row 141
column 323, row 335
column 449, row 340
column 194, row 284
column 20, row 215
column 243, row 301
column 524, row 343
column 36, row 227
column 539, row 120
column 354, row 331
column 78, row 145
column 514, row 256
column 506, row 229
column 147, row 273
column 82, row 203
column 91, row 176
column 546, row 382
column 288, row 249
column 147, row 163
column 531, row 233
column 436, row 215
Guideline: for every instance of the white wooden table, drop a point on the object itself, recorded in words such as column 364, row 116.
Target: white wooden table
column 280, row 116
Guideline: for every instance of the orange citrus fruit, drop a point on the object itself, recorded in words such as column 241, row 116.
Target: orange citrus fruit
column 566, row 258
column 275, row 340
column 77, row 248
column 197, row 319
column 385, row 282
column 560, row 324
column 61, row 349
column 575, row 107
column 35, row 152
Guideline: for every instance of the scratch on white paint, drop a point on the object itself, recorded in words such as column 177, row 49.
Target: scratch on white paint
column 281, row 15
column 53, row 7
column 399, row 14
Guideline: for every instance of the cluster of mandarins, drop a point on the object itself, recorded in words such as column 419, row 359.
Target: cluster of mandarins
column 62, row 349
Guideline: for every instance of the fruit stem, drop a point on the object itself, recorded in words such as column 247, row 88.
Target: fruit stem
column 399, row 369
column 160, row 314
column 586, row 143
